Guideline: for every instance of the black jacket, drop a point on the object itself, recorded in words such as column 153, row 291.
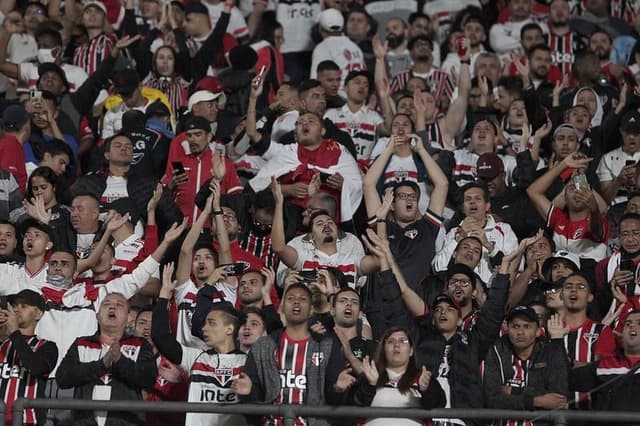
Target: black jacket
column 126, row 377
column 467, row 348
column 140, row 190
column 547, row 372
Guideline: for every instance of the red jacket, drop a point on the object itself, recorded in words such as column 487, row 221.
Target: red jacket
column 12, row 159
column 198, row 168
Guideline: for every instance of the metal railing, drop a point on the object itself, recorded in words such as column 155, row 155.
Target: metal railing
column 289, row 412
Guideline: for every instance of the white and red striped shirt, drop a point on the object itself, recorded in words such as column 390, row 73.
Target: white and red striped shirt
column 91, row 54
column 563, row 50
column 16, row 380
column 291, row 359
column 588, row 343
column 438, row 82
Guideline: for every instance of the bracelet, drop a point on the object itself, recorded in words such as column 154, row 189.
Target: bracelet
column 372, row 219
column 465, row 61
column 217, row 212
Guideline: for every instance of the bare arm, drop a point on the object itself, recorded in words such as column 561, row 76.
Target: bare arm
column 286, row 253
column 250, row 124
column 458, row 108
column 224, row 253
column 183, row 272
column 440, row 183
column 370, row 180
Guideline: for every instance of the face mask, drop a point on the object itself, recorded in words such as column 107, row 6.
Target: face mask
column 59, row 280
column 45, row 56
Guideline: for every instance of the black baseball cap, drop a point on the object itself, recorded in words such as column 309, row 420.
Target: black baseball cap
column 15, row 116
column 125, row 81
column 523, row 311
column 195, row 122
column 34, row 223
column 358, row 73
column 196, row 7
column 445, row 298
column 630, row 122
column 460, row 268
column 52, row 66
column 28, row 297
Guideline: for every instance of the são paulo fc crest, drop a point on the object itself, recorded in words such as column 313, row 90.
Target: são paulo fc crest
column 317, row 358
column 411, row 233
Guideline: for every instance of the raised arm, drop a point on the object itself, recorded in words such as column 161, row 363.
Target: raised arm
column 440, row 183
column 458, row 108
column 286, row 253
column 370, row 181
column 160, row 330
column 539, row 186
column 183, row 271
column 224, row 252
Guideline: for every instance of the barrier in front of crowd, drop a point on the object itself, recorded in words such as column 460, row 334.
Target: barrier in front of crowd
column 289, row 412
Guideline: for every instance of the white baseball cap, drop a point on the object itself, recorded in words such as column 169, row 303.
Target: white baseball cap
column 331, row 20
column 206, row 96
column 95, row 3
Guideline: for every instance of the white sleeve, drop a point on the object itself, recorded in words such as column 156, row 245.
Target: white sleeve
column 189, row 357
column 501, row 41
column 181, row 291
column 25, row 71
column 230, row 292
column 443, row 257
column 237, row 24
column 604, row 172
column 11, row 279
column 109, row 125
column 129, row 284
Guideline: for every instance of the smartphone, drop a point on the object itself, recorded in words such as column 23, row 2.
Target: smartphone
column 36, row 96
column 462, row 49
column 324, row 176
column 177, row 165
column 629, row 163
column 4, row 302
column 580, row 181
column 309, row 276
column 236, row 268
column 262, row 71
column 627, row 265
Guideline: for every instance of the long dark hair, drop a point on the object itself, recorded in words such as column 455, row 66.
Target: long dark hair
column 404, row 384
column 47, row 174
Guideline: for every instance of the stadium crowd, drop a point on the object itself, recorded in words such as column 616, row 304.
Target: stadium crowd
column 385, row 203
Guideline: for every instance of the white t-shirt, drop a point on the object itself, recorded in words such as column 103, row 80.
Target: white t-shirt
column 237, row 25
column 610, row 166
column 341, row 50
column 28, row 75
column 116, row 189
column 284, row 124
column 297, row 19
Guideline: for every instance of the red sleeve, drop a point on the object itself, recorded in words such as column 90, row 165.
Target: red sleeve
column 230, row 183
column 601, row 275
column 12, row 160
column 606, row 344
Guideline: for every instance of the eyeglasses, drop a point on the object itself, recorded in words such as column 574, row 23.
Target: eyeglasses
column 404, row 196
column 400, row 342
column 459, row 282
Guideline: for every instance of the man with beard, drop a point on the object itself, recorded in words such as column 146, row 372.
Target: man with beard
column 195, row 158
column 323, row 245
column 580, row 227
column 617, row 169
column 398, row 58
column 540, row 62
column 598, row 16
column 438, row 81
column 562, row 41
column 601, row 44
column 587, row 340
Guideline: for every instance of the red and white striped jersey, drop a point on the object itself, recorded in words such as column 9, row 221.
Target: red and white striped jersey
column 563, row 50
column 291, row 359
column 587, row 343
column 89, row 55
column 16, row 380
column 519, row 380
column 574, row 236
column 438, row 82
column 361, row 126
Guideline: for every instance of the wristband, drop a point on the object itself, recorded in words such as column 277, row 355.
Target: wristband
column 217, row 212
column 465, row 61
